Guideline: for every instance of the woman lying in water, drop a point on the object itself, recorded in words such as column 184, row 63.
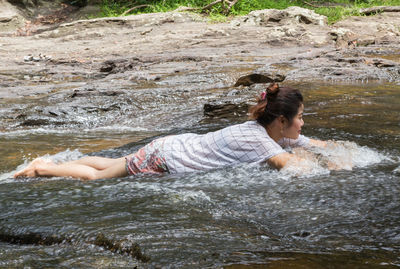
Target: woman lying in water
column 276, row 122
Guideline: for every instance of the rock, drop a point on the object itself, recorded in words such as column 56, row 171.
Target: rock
column 344, row 38
column 128, row 22
column 259, row 78
column 93, row 92
column 386, row 39
column 382, row 29
column 34, row 122
column 366, row 41
column 383, row 63
column 290, row 15
column 233, row 92
column 227, row 110
column 28, row 58
column 10, row 17
column 301, row 234
column 40, row 57
column 339, row 66
column 306, row 16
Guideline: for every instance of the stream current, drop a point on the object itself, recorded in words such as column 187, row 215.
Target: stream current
column 236, row 217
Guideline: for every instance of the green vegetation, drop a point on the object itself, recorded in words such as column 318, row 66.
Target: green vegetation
column 333, row 9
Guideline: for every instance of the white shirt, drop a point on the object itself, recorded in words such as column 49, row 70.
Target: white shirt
column 248, row 142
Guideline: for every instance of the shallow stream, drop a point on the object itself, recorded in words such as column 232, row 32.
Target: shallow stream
column 234, row 217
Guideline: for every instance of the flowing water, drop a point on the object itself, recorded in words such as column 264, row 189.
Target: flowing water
column 238, row 217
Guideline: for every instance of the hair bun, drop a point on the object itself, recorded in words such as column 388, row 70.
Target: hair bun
column 273, row 88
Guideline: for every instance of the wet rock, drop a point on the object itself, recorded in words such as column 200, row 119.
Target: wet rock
column 55, row 112
column 34, row 238
column 118, row 65
column 259, row 78
column 382, row 63
column 94, row 92
column 226, row 110
column 31, row 239
column 233, row 92
column 143, row 76
column 350, row 60
column 107, row 67
column 302, row 234
column 41, row 122
column 34, row 122
column 110, row 107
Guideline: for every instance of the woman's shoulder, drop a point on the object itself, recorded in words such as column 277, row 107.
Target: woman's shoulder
column 251, row 124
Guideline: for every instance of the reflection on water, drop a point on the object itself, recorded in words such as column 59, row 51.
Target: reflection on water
column 241, row 217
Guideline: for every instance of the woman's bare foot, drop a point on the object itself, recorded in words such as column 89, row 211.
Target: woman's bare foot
column 30, row 170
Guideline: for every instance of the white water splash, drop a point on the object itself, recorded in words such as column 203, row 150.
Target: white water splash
column 337, row 155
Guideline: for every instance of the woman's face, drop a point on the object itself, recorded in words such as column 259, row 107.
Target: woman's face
column 294, row 129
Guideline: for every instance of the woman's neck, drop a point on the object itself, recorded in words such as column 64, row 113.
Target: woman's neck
column 274, row 131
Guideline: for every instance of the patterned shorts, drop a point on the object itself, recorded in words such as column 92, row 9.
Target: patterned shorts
column 148, row 159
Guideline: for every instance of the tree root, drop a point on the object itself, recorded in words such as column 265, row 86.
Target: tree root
column 226, row 6
column 324, row 4
column 374, row 10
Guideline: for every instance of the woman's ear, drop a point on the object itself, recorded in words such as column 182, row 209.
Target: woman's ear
column 282, row 120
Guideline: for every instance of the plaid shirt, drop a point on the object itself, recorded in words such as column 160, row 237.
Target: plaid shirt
column 242, row 143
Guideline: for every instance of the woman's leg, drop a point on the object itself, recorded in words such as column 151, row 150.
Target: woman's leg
column 39, row 167
column 98, row 163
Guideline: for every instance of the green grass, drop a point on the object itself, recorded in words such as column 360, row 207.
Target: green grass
column 339, row 10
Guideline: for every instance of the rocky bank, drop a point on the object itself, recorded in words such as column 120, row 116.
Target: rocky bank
column 106, row 56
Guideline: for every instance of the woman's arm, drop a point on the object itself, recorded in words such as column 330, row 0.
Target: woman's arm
column 317, row 143
column 280, row 160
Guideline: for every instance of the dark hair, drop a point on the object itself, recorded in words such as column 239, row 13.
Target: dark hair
column 275, row 102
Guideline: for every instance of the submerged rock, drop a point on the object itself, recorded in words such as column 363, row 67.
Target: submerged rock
column 121, row 247
column 34, row 238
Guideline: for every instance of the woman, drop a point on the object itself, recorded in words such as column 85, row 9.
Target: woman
column 276, row 122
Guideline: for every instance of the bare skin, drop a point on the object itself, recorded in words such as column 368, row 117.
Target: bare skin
column 88, row 168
